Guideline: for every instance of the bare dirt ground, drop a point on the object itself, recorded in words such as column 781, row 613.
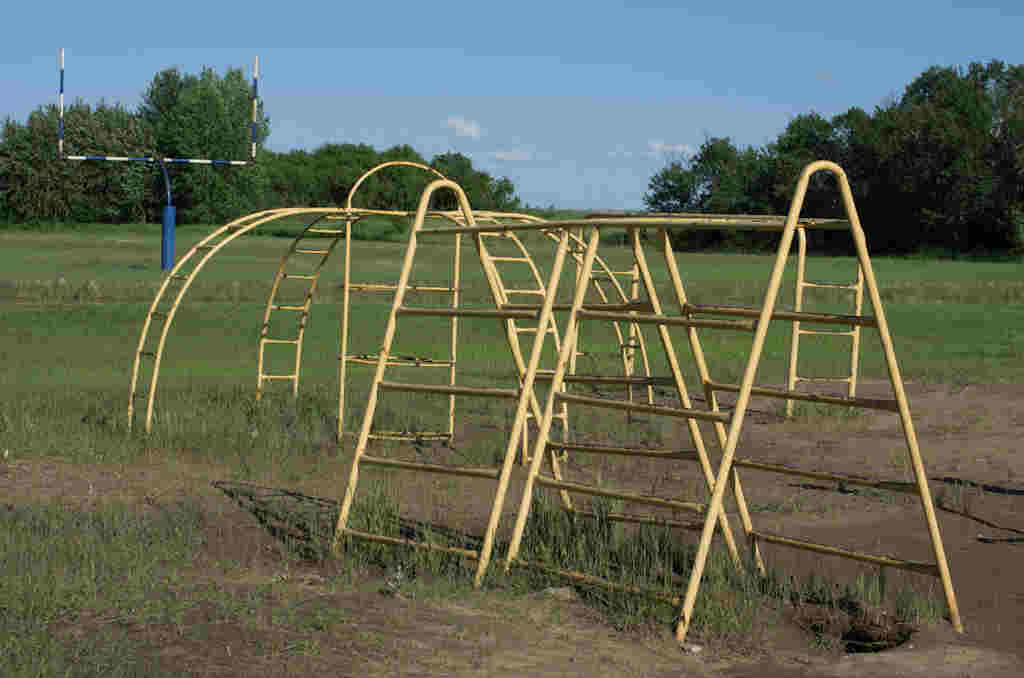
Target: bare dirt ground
column 347, row 626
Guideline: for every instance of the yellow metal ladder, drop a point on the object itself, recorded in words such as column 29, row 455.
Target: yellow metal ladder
column 797, row 331
column 313, row 245
column 521, row 391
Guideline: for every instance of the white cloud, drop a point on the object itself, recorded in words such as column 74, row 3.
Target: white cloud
column 463, row 127
column 512, row 156
column 655, row 148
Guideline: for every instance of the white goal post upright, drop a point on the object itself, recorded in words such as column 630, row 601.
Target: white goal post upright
column 169, row 213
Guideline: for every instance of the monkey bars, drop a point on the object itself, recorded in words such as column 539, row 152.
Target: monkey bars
column 648, row 309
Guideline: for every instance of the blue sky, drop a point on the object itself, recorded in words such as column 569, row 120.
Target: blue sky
column 579, row 103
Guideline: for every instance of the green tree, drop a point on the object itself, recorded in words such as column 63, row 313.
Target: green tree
column 206, row 116
column 36, row 185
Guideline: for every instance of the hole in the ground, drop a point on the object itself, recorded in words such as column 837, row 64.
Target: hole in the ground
column 853, row 626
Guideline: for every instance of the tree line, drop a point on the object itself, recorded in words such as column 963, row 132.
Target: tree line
column 201, row 116
column 939, row 169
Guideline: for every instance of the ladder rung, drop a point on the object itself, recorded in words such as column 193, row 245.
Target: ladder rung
column 148, row 354
column 872, row 403
column 409, row 435
column 592, row 448
column 280, row 341
column 450, row 390
column 627, row 496
column 749, row 312
column 630, row 381
column 382, row 287
column 643, row 520
column 399, row 361
column 326, row 231
column 639, row 306
column 302, row 250
column 681, row 413
column 652, row 319
column 550, row 329
column 835, row 286
column 287, row 307
column 511, row 259
column 431, row 468
column 468, row 312
column 398, row 541
column 923, row 568
column 537, row 292
column 299, row 276
column 279, row 376
column 837, row 333
column 825, row 380
column 158, row 314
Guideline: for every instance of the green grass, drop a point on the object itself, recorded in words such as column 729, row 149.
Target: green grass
column 64, row 564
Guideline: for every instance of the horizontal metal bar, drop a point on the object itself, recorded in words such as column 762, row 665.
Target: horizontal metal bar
column 836, row 286
column 399, row 362
column 302, row 250
column 913, row 566
column 680, row 413
column 537, row 292
column 382, row 287
column 826, row 380
column 431, row 468
column 837, row 333
column 889, row 485
column 299, row 276
column 630, row 381
column 450, row 390
column 669, row 320
column 639, row 306
column 625, row 496
column 407, row 435
column 749, row 312
column 620, row 451
column 641, row 520
column 738, row 222
column 512, row 259
column 326, row 231
column 279, row 376
column 398, row 541
column 871, row 403
column 279, row 341
column 288, row 307
column 467, row 312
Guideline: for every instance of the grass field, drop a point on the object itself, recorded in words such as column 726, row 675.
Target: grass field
column 119, row 570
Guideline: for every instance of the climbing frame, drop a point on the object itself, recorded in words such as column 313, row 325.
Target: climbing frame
column 280, row 344
column 728, row 424
column 517, row 319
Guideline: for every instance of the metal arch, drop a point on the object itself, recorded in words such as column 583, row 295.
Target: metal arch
column 391, row 163
column 343, row 357
column 211, row 244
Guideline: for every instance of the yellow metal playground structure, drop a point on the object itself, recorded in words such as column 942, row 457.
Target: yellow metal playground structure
column 304, row 262
column 626, row 300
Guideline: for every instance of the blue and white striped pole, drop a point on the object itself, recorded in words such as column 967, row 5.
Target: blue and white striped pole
column 169, row 213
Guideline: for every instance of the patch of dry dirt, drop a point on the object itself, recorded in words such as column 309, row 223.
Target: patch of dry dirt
column 973, row 434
